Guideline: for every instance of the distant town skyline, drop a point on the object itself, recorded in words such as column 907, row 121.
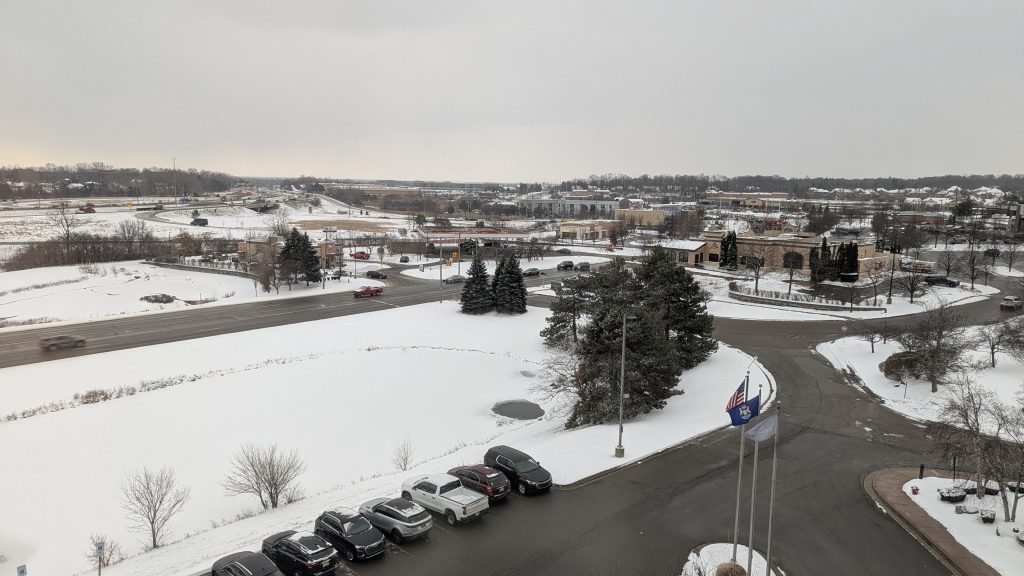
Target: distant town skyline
column 469, row 91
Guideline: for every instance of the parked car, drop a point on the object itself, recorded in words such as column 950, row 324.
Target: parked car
column 350, row 534
column 941, row 281
column 200, row 222
column 565, row 265
column 376, row 274
column 484, row 480
column 361, row 255
column 399, row 518
column 301, row 553
column 531, row 272
column 564, row 251
column 245, row 564
column 59, row 342
column 456, row 279
column 404, row 259
column 525, row 473
column 367, row 291
column 1011, row 303
column 583, row 267
column 444, row 494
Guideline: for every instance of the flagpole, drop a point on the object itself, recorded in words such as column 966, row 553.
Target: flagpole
column 771, row 500
column 739, row 479
column 753, row 501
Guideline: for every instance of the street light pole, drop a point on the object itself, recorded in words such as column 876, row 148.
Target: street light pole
column 892, row 265
column 619, row 450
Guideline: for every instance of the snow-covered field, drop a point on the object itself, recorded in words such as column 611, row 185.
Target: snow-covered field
column 725, row 307
column 546, row 263
column 916, row 399
column 64, row 293
column 344, row 392
column 1002, row 552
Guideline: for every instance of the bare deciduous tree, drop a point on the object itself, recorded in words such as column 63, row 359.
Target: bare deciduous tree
column 754, row 258
column 151, row 499
column 938, row 340
column 279, row 223
column 971, row 263
column 64, row 221
column 911, row 281
column 111, row 550
column 995, row 338
column 402, row 455
column 132, row 232
column 949, row 262
column 875, row 277
column 1010, row 254
column 265, row 472
column 869, row 335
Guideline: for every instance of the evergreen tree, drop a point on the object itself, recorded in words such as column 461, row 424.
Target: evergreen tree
column 509, row 288
column 852, row 258
column 477, row 296
column 723, row 251
column 814, row 263
column 839, row 262
column 499, row 271
column 310, row 260
column 291, row 256
column 563, row 323
column 688, row 317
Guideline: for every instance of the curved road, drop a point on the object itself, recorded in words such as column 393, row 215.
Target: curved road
column 644, row 518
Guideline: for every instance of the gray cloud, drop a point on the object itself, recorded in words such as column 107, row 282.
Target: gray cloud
column 517, row 91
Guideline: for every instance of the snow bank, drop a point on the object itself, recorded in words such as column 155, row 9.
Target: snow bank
column 704, row 561
column 547, row 263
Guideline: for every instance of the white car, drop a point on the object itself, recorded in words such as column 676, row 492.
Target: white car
column 444, row 494
column 1011, row 303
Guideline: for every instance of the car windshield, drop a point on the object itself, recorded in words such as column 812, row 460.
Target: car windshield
column 528, row 465
column 450, row 486
column 356, row 526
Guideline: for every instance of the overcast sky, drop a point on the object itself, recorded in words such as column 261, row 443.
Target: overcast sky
column 516, row 91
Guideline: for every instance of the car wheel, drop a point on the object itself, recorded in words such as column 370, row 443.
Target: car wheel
column 521, row 487
column 407, row 496
column 350, row 553
column 396, row 536
column 450, row 517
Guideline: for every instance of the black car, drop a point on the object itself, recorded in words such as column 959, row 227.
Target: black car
column 350, row 533
column 941, row 281
column 565, row 265
column 58, row 342
column 376, row 274
column 522, row 471
column 245, row 564
column 403, row 259
column 301, row 553
column 583, row 267
column 563, row 251
column 531, row 272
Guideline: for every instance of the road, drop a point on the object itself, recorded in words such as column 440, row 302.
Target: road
column 642, row 519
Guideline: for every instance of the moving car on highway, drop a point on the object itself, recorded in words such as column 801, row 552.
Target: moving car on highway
column 301, row 553
column 444, row 494
column 350, row 534
column 366, row 291
column 480, row 478
column 399, row 518
column 245, row 564
column 58, row 342
column 523, row 472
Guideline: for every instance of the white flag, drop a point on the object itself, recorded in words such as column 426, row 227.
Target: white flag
column 764, row 429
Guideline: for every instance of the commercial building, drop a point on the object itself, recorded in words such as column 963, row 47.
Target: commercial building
column 634, row 217
column 587, row 229
column 569, row 206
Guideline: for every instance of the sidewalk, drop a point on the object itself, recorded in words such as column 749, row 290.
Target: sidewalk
column 886, row 488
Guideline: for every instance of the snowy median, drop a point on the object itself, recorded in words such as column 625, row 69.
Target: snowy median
column 344, row 392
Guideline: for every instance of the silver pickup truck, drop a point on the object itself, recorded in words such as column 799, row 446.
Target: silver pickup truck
column 444, row 494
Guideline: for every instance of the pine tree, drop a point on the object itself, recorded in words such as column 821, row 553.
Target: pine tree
column 499, row 272
column 310, row 260
column 852, row 258
column 733, row 260
column 510, row 289
column 814, row 262
column 563, row 323
column 291, row 256
column 688, row 318
column 477, row 296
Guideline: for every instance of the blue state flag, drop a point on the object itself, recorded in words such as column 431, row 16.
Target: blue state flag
column 745, row 411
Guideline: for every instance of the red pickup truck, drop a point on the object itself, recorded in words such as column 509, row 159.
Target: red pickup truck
column 364, row 291
column 361, row 255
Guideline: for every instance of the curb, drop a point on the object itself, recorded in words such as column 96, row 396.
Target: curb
column 952, row 560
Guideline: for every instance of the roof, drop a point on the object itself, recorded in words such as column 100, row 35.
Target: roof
column 512, row 453
column 688, row 245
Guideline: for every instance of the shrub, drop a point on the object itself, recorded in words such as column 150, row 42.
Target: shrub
column 158, row 298
column 901, row 364
column 730, row 569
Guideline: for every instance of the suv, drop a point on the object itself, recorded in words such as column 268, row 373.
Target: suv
column 404, row 259
column 398, row 518
column 245, row 564
column 301, row 553
column 531, row 272
column 1010, row 303
column 59, row 342
column 583, row 267
column 941, row 281
column 350, row 533
column 376, row 274
column 484, row 480
column 523, row 472
column 565, row 265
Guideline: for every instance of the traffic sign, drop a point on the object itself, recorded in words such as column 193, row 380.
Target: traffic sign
column 22, row 570
column 99, row 549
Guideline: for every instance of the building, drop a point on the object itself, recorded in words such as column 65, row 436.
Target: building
column 772, row 249
column 922, row 218
column 633, row 217
column 685, row 252
column 588, row 229
column 736, row 200
column 569, row 206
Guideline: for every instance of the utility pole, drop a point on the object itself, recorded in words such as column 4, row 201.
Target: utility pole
column 892, row 265
column 619, row 450
column 174, row 176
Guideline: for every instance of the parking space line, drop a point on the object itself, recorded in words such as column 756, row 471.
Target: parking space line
column 446, row 531
column 403, row 549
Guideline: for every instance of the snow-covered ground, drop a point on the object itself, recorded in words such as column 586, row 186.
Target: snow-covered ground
column 63, row 293
column 546, row 263
column 344, row 392
column 1002, row 552
column 703, row 562
column 916, row 399
column 725, row 307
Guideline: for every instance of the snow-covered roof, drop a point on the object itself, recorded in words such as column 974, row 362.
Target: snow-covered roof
column 688, row 245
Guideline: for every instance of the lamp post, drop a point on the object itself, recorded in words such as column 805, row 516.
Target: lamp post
column 892, row 265
column 619, row 450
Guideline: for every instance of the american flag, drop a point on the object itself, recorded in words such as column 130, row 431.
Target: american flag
column 738, row 398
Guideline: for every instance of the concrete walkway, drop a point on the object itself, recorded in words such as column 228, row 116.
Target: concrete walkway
column 886, row 488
